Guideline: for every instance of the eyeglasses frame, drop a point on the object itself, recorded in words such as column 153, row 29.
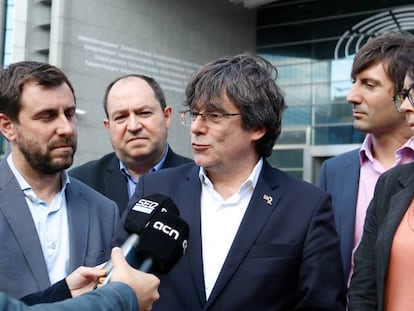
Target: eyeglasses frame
column 404, row 94
column 205, row 116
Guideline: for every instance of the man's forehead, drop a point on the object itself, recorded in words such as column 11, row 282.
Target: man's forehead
column 221, row 103
column 34, row 92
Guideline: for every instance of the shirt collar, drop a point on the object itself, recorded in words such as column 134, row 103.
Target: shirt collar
column 365, row 152
column 250, row 182
column 24, row 185
column 156, row 167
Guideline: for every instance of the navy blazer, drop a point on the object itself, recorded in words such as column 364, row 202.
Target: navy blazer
column 104, row 176
column 93, row 227
column 340, row 177
column 285, row 255
column 394, row 192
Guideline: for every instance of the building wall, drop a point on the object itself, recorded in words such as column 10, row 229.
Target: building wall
column 95, row 41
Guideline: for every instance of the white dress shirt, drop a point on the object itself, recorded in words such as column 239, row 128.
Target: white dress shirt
column 220, row 220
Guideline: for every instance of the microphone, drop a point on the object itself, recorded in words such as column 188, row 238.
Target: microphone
column 145, row 208
column 162, row 243
column 136, row 220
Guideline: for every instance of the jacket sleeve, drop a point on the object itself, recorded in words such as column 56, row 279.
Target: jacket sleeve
column 114, row 296
column 320, row 276
column 57, row 292
column 363, row 288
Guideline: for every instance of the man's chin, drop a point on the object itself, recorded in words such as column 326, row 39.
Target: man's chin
column 139, row 152
column 361, row 126
column 63, row 162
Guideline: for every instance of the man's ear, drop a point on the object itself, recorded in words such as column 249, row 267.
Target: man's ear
column 106, row 123
column 258, row 133
column 7, row 128
column 167, row 115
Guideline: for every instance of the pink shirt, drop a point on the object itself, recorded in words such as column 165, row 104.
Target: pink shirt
column 370, row 171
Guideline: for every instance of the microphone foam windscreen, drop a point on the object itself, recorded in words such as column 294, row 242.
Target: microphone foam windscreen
column 145, row 208
column 164, row 240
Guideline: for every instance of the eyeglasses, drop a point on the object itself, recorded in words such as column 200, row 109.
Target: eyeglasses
column 401, row 96
column 189, row 116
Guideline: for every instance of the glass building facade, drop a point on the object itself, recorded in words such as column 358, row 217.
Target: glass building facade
column 8, row 12
column 312, row 44
column 317, row 114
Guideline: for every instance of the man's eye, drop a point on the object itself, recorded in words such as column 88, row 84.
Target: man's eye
column 70, row 113
column 46, row 117
column 119, row 118
column 146, row 114
column 214, row 116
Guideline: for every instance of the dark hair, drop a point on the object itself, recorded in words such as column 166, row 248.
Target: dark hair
column 409, row 60
column 388, row 49
column 16, row 75
column 410, row 71
column 158, row 92
column 249, row 82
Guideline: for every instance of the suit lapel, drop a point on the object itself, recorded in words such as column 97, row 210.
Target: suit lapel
column 262, row 204
column 349, row 196
column 345, row 206
column 191, row 190
column 116, row 184
column 78, row 220
column 169, row 159
column 15, row 210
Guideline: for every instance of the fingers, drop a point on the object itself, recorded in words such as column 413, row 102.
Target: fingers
column 100, row 266
column 89, row 272
column 84, row 273
column 82, row 280
column 117, row 257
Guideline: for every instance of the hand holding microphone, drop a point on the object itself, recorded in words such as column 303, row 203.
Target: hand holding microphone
column 163, row 237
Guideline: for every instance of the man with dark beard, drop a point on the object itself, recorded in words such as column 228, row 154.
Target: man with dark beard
column 49, row 223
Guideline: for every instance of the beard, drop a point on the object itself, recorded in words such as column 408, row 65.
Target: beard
column 44, row 162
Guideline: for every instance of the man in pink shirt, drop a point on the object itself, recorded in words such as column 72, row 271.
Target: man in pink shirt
column 377, row 75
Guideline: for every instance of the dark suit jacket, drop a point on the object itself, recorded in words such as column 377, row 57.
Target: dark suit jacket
column 340, row 177
column 285, row 255
column 104, row 176
column 93, row 221
column 393, row 194
column 114, row 296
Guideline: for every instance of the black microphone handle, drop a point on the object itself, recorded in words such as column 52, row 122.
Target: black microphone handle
column 146, row 265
